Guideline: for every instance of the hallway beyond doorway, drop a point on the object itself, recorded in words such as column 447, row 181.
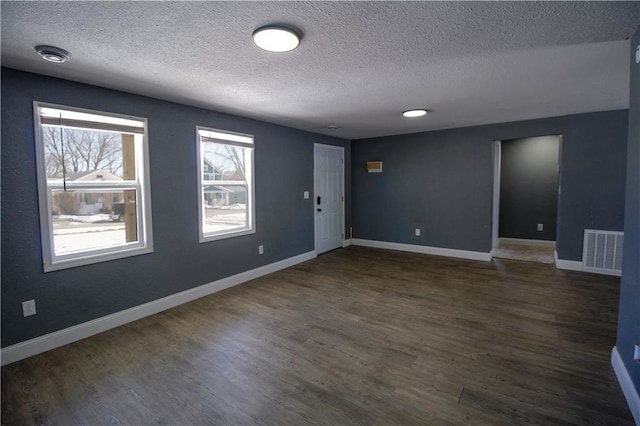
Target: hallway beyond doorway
column 526, row 250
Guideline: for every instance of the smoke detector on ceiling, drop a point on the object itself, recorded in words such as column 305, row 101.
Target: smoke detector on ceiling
column 53, row 54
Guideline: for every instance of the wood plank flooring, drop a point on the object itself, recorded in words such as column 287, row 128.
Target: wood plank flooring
column 356, row 336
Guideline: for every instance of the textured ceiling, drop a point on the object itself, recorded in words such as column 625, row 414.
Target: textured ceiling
column 358, row 66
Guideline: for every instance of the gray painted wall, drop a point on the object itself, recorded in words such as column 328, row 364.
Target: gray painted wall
column 629, row 313
column 284, row 220
column 442, row 181
column 529, row 187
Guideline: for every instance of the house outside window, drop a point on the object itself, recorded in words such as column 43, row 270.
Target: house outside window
column 93, row 186
column 225, row 183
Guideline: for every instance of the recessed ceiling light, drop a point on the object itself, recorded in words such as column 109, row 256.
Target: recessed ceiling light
column 411, row 113
column 274, row 38
column 53, row 54
column 333, row 127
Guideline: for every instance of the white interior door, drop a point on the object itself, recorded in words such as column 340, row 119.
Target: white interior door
column 329, row 197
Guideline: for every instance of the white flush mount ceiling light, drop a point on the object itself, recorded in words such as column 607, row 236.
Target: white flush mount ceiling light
column 276, row 38
column 412, row 113
column 53, row 54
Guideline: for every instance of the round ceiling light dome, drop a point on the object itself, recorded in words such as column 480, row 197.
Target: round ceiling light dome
column 53, row 54
column 275, row 38
column 412, row 113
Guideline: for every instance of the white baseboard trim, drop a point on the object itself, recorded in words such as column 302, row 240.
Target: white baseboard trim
column 63, row 337
column 601, row 271
column 572, row 265
column 346, row 243
column 568, row 265
column 436, row 251
column 524, row 241
column 629, row 391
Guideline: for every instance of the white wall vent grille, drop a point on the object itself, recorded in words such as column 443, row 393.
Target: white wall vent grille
column 602, row 252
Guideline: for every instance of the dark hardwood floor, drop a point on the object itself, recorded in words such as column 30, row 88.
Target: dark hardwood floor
column 356, row 336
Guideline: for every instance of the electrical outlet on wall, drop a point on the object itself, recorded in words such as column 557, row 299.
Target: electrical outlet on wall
column 418, row 232
column 29, row 308
column 540, row 227
column 260, row 249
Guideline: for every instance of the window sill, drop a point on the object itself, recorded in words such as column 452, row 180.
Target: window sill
column 215, row 237
column 99, row 258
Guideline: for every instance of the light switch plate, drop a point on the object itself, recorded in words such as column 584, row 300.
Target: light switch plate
column 306, row 195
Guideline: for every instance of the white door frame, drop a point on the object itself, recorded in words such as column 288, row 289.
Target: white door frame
column 497, row 165
column 315, row 191
column 495, row 222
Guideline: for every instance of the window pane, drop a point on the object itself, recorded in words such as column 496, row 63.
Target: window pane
column 226, row 181
column 88, row 155
column 224, row 162
column 225, row 208
column 91, row 178
column 88, row 220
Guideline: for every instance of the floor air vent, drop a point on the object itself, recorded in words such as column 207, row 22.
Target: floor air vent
column 602, row 252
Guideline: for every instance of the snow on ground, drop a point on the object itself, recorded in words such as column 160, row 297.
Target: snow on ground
column 236, row 206
column 80, row 233
column 72, row 233
column 87, row 229
column 222, row 222
column 79, row 241
column 94, row 218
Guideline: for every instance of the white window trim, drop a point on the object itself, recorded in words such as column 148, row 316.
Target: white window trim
column 207, row 237
column 142, row 185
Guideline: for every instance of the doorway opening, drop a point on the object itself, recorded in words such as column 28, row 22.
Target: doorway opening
column 328, row 197
column 525, row 198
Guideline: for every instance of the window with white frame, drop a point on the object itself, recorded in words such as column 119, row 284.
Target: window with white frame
column 225, row 183
column 93, row 186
